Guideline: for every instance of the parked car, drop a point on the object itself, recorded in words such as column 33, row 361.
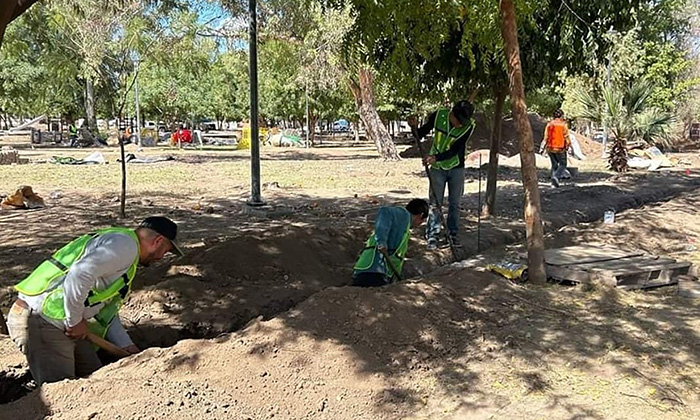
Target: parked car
column 341, row 126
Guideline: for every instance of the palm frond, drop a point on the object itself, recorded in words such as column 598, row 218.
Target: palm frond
column 654, row 127
column 588, row 105
column 636, row 97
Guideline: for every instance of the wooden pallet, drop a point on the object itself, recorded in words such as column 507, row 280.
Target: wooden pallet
column 612, row 267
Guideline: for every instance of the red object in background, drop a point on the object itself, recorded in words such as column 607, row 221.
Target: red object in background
column 183, row 135
column 687, row 171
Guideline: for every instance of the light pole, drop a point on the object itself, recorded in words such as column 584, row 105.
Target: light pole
column 255, row 198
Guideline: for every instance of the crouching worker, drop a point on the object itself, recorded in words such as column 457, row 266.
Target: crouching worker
column 381, row 261
column 80, row 289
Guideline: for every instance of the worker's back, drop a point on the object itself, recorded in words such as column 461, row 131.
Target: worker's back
column 557, row 134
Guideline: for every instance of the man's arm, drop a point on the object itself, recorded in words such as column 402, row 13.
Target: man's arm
column 456, row 146
column 567, row 139
column 111, row 258
column 425, row 129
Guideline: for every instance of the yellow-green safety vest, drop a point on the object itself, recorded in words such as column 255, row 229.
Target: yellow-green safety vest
column 369, row 253
column 445, row 137
column 54, row 270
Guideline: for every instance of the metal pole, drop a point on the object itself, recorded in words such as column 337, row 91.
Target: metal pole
column 478, row 213
column 255, row 199
column 136, row 94
column 307, row 115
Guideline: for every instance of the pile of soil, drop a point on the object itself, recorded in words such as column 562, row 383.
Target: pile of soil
column 464, row 344
column 220, row 285
column 510, row 145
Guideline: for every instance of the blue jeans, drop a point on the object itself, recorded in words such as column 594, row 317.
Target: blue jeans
column 558, row 164
column 454, row 180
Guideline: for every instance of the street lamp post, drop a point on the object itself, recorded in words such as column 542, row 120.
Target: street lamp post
column 255, row 198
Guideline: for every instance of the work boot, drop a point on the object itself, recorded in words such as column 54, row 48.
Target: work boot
column 455, row 241
column 432, row 244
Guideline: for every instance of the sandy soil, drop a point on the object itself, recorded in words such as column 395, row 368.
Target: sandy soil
column 453, row 344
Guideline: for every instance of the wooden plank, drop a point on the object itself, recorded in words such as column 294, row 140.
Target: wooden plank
column 655, row 283
column 582, row 254
column 566, row 273
column 666, row 276
column 647, row 268
column 622, row 263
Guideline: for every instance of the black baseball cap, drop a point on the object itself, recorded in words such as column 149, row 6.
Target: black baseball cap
column 163, row 226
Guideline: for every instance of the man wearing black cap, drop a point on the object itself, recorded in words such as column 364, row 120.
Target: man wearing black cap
column 446, row 159
column 79, row 290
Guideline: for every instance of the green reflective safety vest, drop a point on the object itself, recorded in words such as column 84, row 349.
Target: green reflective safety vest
column 445, row 137
column 54, row 270
column 369, row 253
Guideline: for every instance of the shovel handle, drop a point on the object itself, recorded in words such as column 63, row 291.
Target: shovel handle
column 107, row 346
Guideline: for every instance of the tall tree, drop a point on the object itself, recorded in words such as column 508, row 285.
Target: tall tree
column 532, row 208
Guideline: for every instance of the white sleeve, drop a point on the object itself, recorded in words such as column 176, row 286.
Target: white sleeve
column 117, row 335
column 110, row 258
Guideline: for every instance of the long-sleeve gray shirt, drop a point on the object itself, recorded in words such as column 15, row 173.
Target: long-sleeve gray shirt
column 105, row 260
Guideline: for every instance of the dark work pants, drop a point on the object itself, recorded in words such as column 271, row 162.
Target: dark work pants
column 558, row 160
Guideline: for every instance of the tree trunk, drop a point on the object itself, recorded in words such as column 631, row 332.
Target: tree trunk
column 90, row 106
column 313, row 119
column 533, row 221
column 363, row 92
column 490, row 203
column 122, row 205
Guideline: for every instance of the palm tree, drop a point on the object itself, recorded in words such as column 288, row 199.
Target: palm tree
column 629, row 115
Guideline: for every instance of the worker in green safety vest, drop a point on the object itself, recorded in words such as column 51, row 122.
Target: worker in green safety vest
column 381, row 260
column 80, row 289
column 452, row 128
column 73, row 134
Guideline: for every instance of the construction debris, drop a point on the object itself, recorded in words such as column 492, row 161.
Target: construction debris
column 651, row 159
column 612, row 267
column 11, row 157
column 510, row 270
column 23, row 198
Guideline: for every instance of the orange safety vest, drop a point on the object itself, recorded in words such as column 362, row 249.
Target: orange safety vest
column 557, row 133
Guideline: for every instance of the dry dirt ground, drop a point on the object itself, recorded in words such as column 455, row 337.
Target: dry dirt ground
column 455, row 344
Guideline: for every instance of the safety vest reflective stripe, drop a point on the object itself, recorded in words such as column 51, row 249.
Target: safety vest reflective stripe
column 445, row 137
column 55, row 268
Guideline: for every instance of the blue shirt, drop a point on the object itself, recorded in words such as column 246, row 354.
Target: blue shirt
column 389, row 230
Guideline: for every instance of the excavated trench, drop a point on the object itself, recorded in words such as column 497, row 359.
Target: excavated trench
column 222, row 286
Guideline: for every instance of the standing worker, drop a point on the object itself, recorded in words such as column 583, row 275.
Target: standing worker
column 446, row 159
column 73, row 134
column 80, row 289
column 556, row 141
column 381, row 261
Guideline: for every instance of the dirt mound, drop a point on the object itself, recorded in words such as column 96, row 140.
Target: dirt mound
column 510, row 145
column 462, row 345
column 220, row 286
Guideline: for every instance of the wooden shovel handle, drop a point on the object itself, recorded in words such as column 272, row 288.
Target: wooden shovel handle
column 107, row 346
